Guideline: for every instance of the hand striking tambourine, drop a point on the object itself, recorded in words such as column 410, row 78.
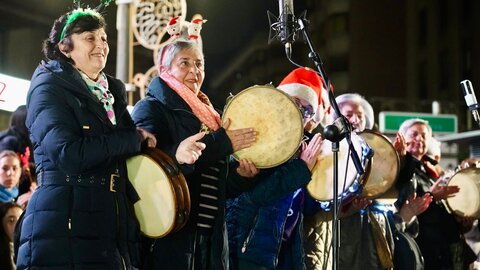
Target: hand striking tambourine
column 164, row 204
column 276, row 119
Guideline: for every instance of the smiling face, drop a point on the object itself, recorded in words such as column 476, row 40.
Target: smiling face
column 188, row 68
column 90, row 51
column 417, row 137
column 355, row 115
column 10, row 171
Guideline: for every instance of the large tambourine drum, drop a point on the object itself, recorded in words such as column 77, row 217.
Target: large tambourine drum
column 384, row 165
column 276, row 119
column 349, row 181
column 466, row 203
column 164, row 204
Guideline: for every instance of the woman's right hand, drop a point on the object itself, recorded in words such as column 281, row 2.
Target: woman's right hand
column 311, row 151
column 247, row 169
column 400, row 145
column 240, row 138
column 189, row 150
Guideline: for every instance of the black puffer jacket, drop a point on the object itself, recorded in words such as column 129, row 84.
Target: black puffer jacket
column 74, row 220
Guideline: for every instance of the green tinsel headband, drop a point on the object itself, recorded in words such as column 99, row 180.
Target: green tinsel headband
column 81, row 12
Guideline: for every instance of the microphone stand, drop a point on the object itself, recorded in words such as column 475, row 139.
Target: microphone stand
column 335, row 135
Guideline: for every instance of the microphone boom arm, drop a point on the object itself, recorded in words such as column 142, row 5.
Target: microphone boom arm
column 313, row 55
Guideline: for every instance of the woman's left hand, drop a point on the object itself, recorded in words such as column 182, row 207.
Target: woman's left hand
column 414, row 206
column 147, row 137
column 240, row 138
column 23, row 199
column 311, row 151
column 440, row 191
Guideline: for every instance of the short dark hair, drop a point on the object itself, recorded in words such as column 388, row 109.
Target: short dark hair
column 82, row 24
column 17, row 120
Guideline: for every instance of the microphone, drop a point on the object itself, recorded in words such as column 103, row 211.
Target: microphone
column 284, row 26
column 287, row 24
column 470, row 99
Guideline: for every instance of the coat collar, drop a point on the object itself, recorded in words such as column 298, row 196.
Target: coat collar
column 65, row 76
column 159, row 90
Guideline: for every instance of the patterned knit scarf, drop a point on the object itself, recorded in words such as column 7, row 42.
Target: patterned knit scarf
column 200, row 104
column 100, row 90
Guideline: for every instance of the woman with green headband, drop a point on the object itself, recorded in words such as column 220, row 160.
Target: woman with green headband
column 81, row 215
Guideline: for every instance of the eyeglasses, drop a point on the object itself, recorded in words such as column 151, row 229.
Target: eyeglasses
column 188, row 64
column 307, row 112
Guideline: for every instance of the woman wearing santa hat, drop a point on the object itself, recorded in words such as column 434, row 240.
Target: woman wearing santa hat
column 265, row 223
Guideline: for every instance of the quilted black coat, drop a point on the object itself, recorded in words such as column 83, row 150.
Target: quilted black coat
column 80, row 217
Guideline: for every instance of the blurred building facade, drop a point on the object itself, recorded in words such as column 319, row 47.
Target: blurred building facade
column 400, row 55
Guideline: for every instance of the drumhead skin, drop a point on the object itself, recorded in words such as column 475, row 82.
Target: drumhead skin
column 384, row 165
column 276, row 119
column 349, row 182
column 466, row 203
column 164, row 203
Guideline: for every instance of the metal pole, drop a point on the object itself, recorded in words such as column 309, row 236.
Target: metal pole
column 123, row 44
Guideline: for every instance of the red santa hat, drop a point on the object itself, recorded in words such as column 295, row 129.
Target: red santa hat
column 305, row 84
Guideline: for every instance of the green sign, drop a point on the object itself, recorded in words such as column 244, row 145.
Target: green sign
column 389, row 122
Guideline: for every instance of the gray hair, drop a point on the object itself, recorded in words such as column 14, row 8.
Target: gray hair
column 170, row 50
column 362, row 102
column 410, row 122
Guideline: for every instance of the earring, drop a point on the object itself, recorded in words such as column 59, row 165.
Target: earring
column 68, row 55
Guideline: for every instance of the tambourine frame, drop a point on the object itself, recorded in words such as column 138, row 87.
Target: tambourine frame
column 291, row 124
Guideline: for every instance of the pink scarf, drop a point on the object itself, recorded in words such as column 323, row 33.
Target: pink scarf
column 200, row 104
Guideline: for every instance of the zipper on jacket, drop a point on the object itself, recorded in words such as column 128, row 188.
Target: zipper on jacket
column 116, row 209
column 282, row 231
column 153, row 245
column 123, row 262
column 249, row 236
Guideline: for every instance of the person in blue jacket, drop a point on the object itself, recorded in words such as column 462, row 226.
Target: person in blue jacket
column 265, row 223
column 173, row 109
column 81, row 215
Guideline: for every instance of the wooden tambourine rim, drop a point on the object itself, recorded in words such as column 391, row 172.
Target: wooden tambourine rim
column 452, row 181
column 300, row 133
column 356, row 184
column 182, row 192
column 372, row 163
column 179, row 189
